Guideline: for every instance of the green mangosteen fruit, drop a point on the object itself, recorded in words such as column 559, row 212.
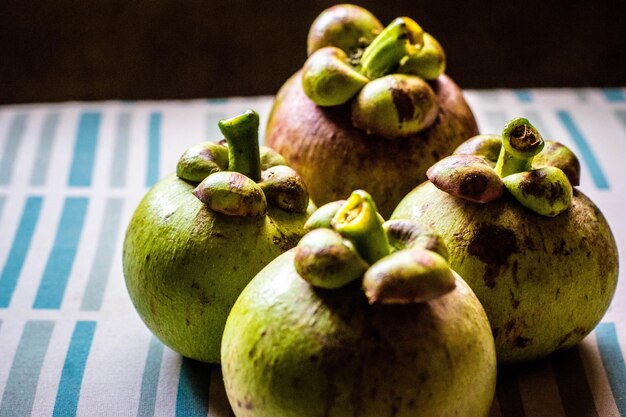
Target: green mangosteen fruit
column 537, row 252
column 363, row 318
column 200, row 235
column 371, row 108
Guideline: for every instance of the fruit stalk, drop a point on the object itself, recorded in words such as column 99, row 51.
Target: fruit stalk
column 402, row 37
column 242, row 135
column 358, row 221
column 520, row 143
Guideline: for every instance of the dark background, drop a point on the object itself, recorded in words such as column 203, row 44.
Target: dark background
column 167, row 49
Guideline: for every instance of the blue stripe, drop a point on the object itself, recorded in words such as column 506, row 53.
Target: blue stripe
column 192, row 399
column 44, row 149
column 19, row 393
column 150, row 381
column 587, row 154
column 120, row 152
column 105, row 250
column 154, row 149
column 613, row 361
column 61, row 258
column 614, row 95
column 81, row 171
column 19, row 249
column 2, row 202
column 524, row 96
column 74, row 369
column 9, row 153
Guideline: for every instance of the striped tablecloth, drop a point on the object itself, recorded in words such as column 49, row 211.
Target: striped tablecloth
column 70, row 177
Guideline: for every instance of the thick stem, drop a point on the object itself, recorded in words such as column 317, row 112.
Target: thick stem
column 358, row 221
column 520, row 143
column 242, row 135
column 401, row 38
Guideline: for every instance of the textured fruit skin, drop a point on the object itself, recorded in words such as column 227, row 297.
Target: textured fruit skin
column 291, row 350
column 334, row 158
column 544, row 282
column 185, row 264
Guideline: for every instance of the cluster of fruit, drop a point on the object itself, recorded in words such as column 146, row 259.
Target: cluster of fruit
column 490, row 255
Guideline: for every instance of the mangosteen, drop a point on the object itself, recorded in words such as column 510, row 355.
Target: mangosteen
column 362, row 318
column 537, row 252
column 200, row 235
column 371, row 108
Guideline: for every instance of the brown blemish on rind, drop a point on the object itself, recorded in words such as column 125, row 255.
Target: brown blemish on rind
column 285, row 242
column 466, row 176
column 534, row 185
column 511, row 333
column 531, row 185
column 561, row 249
column 493, row 245
column 403, row 104
column 577, row 332
column 509, row 327
column 522, row 342
column 473, row 185
column 514, row 269
column 514, row 301
column 248, row 405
